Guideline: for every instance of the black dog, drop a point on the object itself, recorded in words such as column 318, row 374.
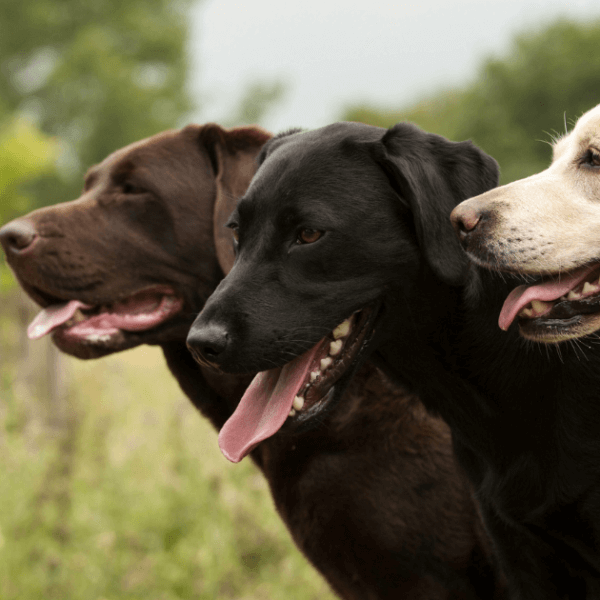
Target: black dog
column 351, row 222
column 374, row 497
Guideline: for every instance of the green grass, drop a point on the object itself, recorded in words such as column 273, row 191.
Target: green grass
column 132, row 499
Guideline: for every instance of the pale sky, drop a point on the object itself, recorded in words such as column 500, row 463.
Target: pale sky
column 332, row 53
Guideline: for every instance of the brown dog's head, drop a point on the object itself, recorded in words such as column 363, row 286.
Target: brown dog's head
column 133, row 259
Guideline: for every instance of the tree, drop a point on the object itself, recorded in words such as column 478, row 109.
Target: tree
column 96, row 75
column 518, row 102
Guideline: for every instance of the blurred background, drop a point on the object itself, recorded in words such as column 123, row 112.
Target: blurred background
column 111, row 485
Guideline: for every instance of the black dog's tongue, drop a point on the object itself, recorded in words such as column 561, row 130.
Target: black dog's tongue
column 265, row 406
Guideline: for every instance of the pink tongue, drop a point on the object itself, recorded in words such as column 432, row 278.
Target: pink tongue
column 265, row 406
column 140, row 312
column 51, row 317
column 550, row 290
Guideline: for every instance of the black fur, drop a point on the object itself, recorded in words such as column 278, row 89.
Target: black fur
column 525, row 420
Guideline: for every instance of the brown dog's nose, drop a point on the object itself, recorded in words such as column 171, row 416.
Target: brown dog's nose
column 17, row 236
column 465, row 219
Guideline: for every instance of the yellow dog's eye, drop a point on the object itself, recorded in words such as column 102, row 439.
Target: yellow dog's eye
column 308, row 236
column 591, row 158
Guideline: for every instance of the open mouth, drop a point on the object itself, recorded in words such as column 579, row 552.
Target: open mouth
column 75, row 322
column 556, row 309
column 300, row 390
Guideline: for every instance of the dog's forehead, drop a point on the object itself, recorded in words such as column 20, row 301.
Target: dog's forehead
column 328, row 163
column 585, row 133
column 159, row 152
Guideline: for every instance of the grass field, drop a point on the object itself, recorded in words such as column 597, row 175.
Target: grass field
column 131, row 498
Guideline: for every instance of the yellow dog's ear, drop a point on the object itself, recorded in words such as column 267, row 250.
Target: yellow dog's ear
column 233, row 155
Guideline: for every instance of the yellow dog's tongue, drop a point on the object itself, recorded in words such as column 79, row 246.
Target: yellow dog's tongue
column 545, row 291
column 265, row 406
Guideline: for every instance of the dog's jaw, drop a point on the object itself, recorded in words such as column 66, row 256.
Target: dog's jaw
column 297, row 396
column 88, row 329
column 566, row 306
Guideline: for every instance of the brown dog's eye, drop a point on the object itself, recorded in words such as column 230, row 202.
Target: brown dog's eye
column 235, row 231
column 308, row 236
column 129, row 188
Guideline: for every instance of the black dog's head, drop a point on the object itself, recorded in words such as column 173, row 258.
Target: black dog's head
column 339, row 228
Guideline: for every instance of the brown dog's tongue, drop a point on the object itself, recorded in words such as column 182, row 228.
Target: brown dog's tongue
column 265, row 406
column 52, row 317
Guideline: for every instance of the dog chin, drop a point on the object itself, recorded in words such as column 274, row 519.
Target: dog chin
column 91, row 348
column 99, row 345
column 554, row 331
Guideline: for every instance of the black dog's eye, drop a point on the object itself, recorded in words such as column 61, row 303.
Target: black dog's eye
column 129, row 188
column 591, row 158
column 308, row 236
column 235, row 231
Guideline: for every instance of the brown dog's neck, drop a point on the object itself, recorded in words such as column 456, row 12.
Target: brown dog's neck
column 216, row 408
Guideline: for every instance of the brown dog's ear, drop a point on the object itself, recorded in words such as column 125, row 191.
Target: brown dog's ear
column 232, row 154
column 433, row 175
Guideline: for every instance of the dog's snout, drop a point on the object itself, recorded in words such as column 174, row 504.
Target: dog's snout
column 466, row 219
column 208, row 342
column 17, row 236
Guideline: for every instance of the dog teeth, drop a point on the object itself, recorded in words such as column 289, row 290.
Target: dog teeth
column 341, row 330
column 292, row 413
column 98, row 337
column 298, row 403
column 526, row 312
column 539, row 306
column 573, row 295
column 588, row 288
column 326, row 363
column 313, row 376
column 335, row 347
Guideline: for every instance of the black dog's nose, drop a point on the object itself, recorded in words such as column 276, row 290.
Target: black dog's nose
column 207, row 342
column 17, row 236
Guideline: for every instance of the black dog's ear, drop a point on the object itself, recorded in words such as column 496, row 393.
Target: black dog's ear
column 276, row 141
column 433, row 175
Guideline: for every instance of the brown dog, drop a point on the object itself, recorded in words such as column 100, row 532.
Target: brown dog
column 373, row 497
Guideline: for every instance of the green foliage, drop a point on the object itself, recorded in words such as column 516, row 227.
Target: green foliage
column 97, row 75
column 134, row 500
column 518, row 103
column 24, row 154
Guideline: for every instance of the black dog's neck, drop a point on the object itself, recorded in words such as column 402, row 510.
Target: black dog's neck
column 503, row 397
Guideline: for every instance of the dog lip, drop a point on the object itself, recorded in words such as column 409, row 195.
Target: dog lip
column 326, row 395
column 546, row 290
column 575, row 314
column 127, row 323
